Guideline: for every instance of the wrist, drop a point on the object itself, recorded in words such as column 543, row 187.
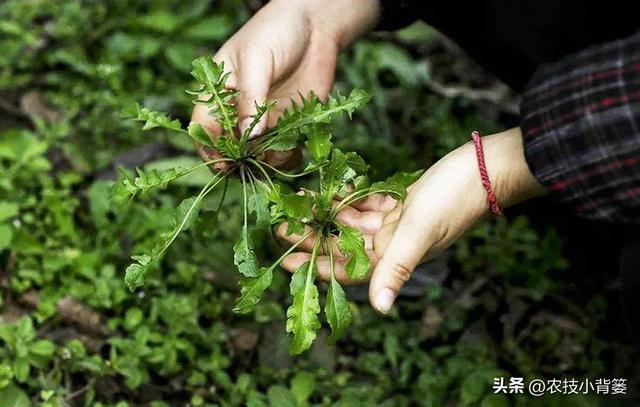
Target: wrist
column 509, row 173
column 343, row 20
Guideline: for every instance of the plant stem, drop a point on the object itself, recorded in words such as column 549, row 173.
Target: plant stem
column 310, row 272
column 331, row 268
column 264, row 172
column 224, row 195
column 207, row 188
column 251, row 179
column 203, row 164
column 290, row 250
column 284, row 174
column 312, row 265
column 217, row 160
column 244, row 197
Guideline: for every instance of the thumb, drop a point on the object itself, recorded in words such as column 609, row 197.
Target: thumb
column 254, row 82
column 409, row 243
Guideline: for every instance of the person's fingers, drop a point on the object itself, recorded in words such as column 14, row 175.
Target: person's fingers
column 376, row 202
column 254, row 80
column 293, row 261
column 410, row 240
column 284, row 160
column 201, row 115
column 293, row 238
column 368, row 222
column 307, row 244
column 394, row 215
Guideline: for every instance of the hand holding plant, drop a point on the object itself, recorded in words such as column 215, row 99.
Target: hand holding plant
column 287, row 49
column 267, row 199
column 446, row 201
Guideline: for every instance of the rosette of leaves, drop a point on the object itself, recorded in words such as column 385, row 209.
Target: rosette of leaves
column 240, row 153
column 266, row 197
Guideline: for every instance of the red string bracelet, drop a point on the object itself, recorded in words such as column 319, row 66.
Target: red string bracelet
column 484, row 176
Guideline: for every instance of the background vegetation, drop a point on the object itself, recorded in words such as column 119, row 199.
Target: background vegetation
column 504, row 301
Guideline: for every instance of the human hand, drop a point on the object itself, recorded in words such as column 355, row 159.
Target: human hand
column 446, row 201
column 287, row 48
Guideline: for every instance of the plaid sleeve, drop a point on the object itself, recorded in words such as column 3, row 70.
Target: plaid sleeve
column 581, row 129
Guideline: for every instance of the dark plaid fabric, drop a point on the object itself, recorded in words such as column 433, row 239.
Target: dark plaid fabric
column 581, row 115
column 580, row 118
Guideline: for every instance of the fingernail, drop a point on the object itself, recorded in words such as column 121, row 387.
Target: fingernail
column 384, row 300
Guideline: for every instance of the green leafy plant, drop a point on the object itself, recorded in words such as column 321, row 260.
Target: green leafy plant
column 22, row 350
column 268, row 201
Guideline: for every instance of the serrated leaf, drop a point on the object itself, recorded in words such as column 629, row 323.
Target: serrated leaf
column 351, row 244
column 198, row 175
column 302, row 315
column 151, row 118
column 126, row 187
column 199, row 134
column 135, row 275
column 337, row 310
column 310, row 111
column 212, row 79
column 252, row 289
column 244, row 256
column 136, row 272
